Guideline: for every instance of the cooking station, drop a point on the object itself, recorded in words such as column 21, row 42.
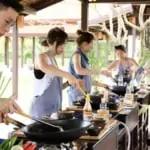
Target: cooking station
column 134, row 116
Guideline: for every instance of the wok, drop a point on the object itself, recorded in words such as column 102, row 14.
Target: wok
column 95, row 101
column 73, row 129
column 121, row 90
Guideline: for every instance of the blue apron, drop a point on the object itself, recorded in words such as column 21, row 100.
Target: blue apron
column 73, row 93
column 50, row 101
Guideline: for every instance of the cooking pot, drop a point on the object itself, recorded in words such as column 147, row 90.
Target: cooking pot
column 73, row 129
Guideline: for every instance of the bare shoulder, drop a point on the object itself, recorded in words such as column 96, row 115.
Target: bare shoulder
column 41, row 59
column 76, row 57
column 133, row 61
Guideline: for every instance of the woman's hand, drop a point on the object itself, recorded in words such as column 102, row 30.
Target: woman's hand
column 106, row 73
column 74, row 82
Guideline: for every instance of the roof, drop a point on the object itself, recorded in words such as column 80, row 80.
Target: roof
column 40, row 4
column 42, row 30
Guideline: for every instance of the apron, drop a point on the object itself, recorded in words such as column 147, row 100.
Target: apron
column 50, row 101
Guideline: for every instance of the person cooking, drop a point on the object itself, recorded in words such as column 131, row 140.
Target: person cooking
column 79, row 66
column 123, row 65
column 9, row 11
column 48, row 77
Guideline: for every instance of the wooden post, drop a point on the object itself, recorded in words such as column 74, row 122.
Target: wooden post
column 15, row 61
column 134, row 42
column 22, row 49
column 96, row 45
column 6, row 51
column 84, row 15
column 33, row 50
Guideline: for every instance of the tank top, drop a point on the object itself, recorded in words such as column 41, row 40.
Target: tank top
column 42, row 80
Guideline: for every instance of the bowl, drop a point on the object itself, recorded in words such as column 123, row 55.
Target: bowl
column 112, row 106
column 99, row 122
column 65, row 114
column 94, row 131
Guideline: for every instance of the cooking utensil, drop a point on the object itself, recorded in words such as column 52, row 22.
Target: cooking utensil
column 41, row 121
column 73, row 129
column 121, row 90
column 14, row 122
column 82, row 89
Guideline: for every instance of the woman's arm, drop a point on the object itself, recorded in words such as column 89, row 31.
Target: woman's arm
column 134, row 62
column 112, row 65
column 99, row 84
column 84, row 71
column 42, row 64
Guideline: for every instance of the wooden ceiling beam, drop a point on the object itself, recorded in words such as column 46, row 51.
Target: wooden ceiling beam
column 44, row 3
column 120, row 1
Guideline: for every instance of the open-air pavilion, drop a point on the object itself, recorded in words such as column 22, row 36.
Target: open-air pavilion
column 126, row 22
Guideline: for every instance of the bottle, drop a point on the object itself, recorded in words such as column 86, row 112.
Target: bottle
column 120, row 80
column 87, row 109
column 129, row 96
column 103, row 112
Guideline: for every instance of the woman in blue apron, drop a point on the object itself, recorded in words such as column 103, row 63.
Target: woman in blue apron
column 48, row 77
column 124, row 66
column 79, row 66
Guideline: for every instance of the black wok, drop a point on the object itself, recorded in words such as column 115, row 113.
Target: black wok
column 73, row 129
column 95, row 101
column 121, row 90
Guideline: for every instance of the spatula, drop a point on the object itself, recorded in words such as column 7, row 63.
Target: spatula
column 41, row 121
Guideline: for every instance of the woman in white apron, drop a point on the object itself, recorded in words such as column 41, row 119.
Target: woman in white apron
column 48, row 77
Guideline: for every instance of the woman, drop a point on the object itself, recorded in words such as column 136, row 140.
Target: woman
column 48, row 77
column 123, row 66
column 79, row 65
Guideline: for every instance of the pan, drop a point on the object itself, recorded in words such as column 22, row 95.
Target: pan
column 95, row 101
column 73, row 129
column 121, row 90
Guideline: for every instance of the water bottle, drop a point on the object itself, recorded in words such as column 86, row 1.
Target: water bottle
column 129, row 96
column 120, row 80
column 103, row 112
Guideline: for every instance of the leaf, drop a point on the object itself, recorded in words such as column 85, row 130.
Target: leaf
column 21, row 143
column 13, row 141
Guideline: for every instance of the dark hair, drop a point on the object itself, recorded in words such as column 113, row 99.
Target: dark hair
column 14, row 4
column 84, row 37
column 120, row 47
column 57, row 35
column 44, row 43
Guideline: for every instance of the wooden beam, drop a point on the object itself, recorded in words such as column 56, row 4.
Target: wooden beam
column 84, row 15
column 15, row 61
column 22, row 49
column 40, row 4
column 6, row 51
column 121, row 1
column 33, row 50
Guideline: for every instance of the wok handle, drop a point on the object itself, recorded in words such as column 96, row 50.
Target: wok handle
column 14, row 122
